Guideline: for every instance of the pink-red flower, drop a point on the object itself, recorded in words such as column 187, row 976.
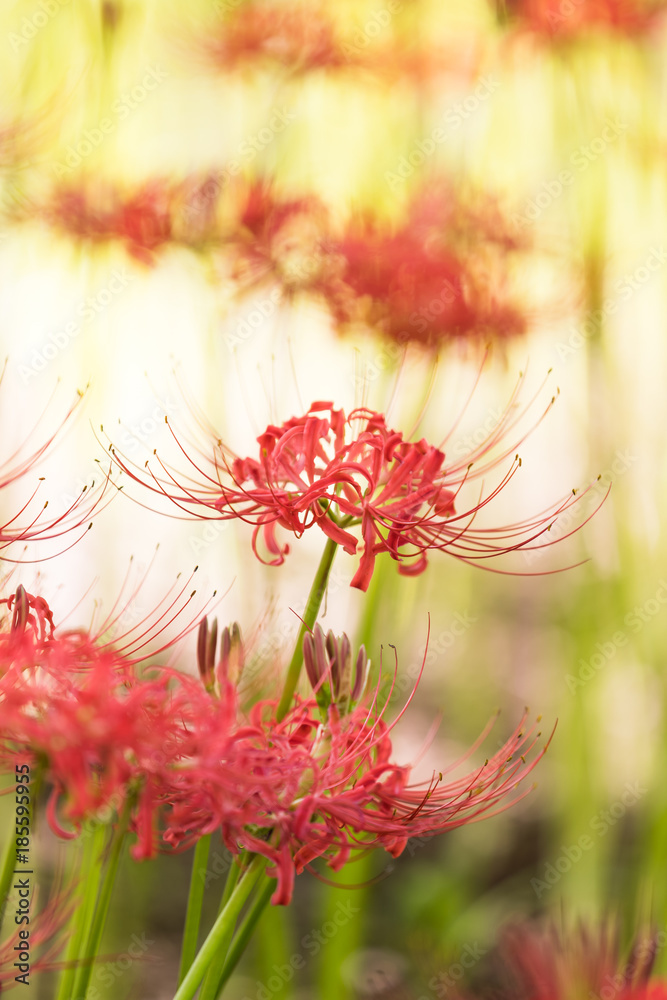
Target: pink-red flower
column 299, row 37
column 361, row 483
column 440, row 273
column 185, row 759
column 548, row 963
column 142, row 220
column 80, row 708
column 306, row 37
column 553, row 18
column 321, row 783
column 268, row 236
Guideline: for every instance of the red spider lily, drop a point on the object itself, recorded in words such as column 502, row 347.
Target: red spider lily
column 79, row 707
column 324, row 470
column 439, row 274
column 299, row 37
column 303, row 788
column 271, row 236
column 548, row 964
column 553, row 18
column 304, row 38
column 143, row 220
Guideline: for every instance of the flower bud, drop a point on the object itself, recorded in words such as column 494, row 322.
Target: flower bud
column 206, row 643
column 232, row 657
column 230, row 664
column 328, row 662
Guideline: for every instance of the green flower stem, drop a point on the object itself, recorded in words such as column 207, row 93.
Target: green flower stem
column 310, row 614
column 221, row 932
column 195, row 900
column 101, row 910
column 239, row 865
column 208, row 990
column 246, row 930
column 86, row 889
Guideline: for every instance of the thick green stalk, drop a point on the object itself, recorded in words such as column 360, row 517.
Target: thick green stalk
column 233, row 877
column 102, row 908
column 246, row 930
column 309, row 615
column 209, row 987
column 221, row 932
column 195, row 900
column 87, row 887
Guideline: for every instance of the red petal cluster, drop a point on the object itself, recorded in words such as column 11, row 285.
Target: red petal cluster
column 441, row 273
column 302, row 789
column 292, row 790
column 274, row 237
column 303, row 37
column 323, row 470
column 546, row 963
column 143, row 220
column 79, row 706
column 300, row 37
column 552, row 17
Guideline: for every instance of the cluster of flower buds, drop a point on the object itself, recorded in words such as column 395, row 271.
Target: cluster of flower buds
column 328, row 663
column 227, row 671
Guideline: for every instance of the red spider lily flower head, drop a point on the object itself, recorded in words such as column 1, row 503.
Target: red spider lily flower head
column 79, row 707
column 269, row 236
column 624, row 17
column 299, row 38
column 309, row 786
column 143, row 220
column 439, row 274
column 305, row 37
column 546, row 963
column 323, row 470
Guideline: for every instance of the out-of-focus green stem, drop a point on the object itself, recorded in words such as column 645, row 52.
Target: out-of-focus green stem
column 195, row 900
column 221, row 933
column 208, row 990
column 245, row 931
column 102, row 908
column 82, row 916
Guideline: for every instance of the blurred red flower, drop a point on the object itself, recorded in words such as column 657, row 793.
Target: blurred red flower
column 547, row 963
column 561, row 18
column 440, row 273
